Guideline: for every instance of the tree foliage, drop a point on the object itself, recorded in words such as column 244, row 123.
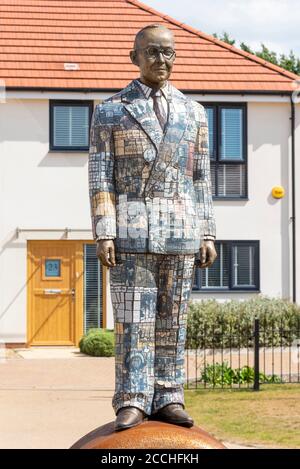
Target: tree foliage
column 289, row 62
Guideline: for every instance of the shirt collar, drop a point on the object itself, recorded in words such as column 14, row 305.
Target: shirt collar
column 146, row 90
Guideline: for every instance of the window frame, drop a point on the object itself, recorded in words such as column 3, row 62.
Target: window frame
column 68, row 102
column 230, row 243
column 217, row 136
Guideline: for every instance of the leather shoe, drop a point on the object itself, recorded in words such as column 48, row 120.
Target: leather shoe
column 128, row 417
column 173, row 413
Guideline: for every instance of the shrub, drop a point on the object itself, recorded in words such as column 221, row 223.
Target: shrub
column 215, row 325
column 222, row 374
column 98, row 343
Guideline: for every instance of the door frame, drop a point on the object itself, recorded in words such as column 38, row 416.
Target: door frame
column 78, row 307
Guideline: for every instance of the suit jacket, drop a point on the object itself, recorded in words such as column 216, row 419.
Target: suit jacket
column 150, row 190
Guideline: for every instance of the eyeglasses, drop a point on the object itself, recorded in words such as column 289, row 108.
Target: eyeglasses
column 153, row 52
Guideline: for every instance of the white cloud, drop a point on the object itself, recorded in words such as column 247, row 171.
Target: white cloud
column 272, row 22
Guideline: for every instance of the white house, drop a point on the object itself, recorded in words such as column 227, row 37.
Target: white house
column 57, row 61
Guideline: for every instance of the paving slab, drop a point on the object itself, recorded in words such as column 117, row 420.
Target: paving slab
column 52, row 396
column 36, row 353
column 49, row 402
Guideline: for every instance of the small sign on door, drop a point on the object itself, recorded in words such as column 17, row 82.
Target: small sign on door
column 52, row 267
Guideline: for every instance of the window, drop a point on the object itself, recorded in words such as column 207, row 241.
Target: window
column 70, row 125
column 93, row 292
column 236, row 268
column 228, row 149
column 52, row 267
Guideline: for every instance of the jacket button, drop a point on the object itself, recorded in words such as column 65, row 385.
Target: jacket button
column 160, row 166
column 147, row 163
column 176, row 165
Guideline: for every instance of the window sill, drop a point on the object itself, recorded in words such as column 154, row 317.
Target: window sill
column 237, row 199
column 225, row 291
column 67, row 151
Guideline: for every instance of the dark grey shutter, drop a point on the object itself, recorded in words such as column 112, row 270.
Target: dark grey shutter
column 93, row 295
column 217, row 276
column 243, row 266
column 71, row 126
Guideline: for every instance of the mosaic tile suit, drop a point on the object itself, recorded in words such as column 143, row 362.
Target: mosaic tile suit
column 150, row 191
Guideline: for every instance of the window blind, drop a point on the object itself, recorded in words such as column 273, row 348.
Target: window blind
column 243, row 266
column 229, row 179
column 71, row 126
column 93, row 295
column 231, row 134
column 216, row 276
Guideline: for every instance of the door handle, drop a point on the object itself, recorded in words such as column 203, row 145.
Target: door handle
column 52, row 291
column 58, row 291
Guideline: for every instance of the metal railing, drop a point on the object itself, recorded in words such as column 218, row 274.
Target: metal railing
column 239, row 358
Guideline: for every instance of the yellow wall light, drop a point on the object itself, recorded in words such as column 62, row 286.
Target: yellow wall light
column 278, row 192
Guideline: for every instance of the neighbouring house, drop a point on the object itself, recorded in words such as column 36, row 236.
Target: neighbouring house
column 57, row 61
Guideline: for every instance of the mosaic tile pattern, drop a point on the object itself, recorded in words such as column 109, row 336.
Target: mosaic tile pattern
column 150, row 294
column 149, row 190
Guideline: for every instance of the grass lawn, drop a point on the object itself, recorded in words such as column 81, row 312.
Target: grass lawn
column 270, row 417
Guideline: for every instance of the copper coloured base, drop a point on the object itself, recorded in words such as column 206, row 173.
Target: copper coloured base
column 148, row 435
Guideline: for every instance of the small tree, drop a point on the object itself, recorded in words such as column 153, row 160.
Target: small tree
column 288, row 62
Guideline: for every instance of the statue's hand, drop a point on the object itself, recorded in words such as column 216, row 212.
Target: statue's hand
column 208, row 254
column 106, row 252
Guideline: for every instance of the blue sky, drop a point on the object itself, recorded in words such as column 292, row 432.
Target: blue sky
column 276, row 23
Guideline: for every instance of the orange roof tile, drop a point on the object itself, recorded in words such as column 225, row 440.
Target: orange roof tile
column 38, row 36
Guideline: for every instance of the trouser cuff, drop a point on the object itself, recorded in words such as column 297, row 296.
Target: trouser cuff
column 140, row 401
column 163, row 398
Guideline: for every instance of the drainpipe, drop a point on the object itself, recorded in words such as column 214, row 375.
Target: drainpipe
column 293, row 217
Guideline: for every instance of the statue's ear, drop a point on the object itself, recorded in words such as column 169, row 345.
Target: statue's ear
column 134, row 58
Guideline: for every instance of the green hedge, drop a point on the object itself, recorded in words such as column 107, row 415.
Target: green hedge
column 213, row 325
column 98, row 343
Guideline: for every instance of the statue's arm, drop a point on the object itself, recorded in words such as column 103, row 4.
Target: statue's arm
column 203, row 189
column 102, row 187
column 202, row 180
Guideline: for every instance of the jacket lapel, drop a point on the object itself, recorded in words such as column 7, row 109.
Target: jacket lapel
column 179, row 112
column 165, row 143
column 178, row 118
column 141, row 111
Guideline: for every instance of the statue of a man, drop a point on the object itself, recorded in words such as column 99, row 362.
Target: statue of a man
column 151, row 206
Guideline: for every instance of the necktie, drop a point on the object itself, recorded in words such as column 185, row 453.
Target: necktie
column 158, row 108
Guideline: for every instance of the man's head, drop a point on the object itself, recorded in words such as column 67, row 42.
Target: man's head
column 154, row 54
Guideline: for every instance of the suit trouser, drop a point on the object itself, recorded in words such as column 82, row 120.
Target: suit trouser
column 150, row 294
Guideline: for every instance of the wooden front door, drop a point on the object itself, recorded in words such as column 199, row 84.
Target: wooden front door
column 55, row 271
